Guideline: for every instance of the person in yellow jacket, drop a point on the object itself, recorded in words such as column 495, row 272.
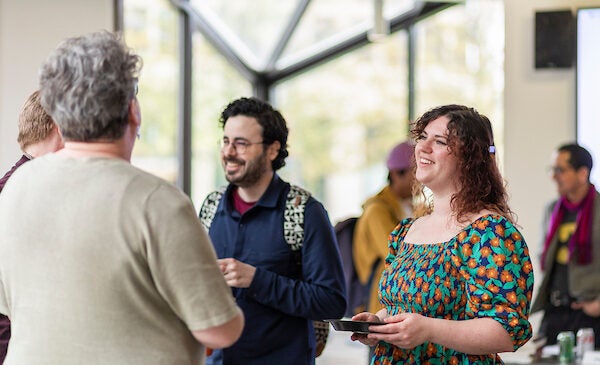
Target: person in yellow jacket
column 381, row 213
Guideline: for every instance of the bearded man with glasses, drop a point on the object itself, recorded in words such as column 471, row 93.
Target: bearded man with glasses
column 279, row 289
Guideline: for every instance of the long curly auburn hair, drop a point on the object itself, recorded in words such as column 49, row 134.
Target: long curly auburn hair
column 471, row 140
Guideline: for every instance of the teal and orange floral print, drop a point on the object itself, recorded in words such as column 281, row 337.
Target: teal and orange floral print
column 484, row 271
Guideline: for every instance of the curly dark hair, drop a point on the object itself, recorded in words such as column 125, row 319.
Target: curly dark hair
column 471, row 140
column 273, row 125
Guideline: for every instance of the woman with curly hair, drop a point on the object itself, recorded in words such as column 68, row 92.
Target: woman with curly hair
column 458, row 280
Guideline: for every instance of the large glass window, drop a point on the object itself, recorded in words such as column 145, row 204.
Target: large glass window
column 215, row 84
column 151, row 29
column 460, row 60
column 343, row 117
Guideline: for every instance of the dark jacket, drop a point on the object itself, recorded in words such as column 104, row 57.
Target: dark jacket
column 7, row 176
column 584, row 280
column 4, row 321
column 284, row 294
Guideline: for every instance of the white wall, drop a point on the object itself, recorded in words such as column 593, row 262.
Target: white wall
column 29, row 30
column 539, row 112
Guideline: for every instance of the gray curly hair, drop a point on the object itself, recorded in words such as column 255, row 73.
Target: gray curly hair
column 86, row 85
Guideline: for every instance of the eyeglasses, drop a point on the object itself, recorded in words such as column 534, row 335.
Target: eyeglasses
column 239, row 145
column 558, row 170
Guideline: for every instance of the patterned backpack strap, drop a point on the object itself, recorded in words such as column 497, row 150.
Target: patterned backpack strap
column 293, row 217
column 293, row 230
column 209, row 207
column 321, row 334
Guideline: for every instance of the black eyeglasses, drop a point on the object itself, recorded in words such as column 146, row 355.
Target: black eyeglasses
column 239, row 145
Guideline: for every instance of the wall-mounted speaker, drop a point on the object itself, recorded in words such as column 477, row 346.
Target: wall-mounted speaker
column 554, row 39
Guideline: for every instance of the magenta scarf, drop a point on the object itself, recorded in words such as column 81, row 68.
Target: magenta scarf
column 581, row 241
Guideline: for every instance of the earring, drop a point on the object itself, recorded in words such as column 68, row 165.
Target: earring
column 138, row 132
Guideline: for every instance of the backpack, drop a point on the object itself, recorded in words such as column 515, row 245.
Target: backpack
column 358, row 294
column 293, row 231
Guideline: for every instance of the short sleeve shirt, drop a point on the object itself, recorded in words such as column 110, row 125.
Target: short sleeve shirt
column 103, row 263
column 484, row 271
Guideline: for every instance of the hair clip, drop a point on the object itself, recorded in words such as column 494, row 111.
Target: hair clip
column 492, row 149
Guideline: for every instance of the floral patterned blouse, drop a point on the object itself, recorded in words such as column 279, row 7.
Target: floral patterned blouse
column 484, row 271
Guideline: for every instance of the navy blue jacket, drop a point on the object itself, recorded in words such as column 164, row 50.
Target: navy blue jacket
column 284, row 294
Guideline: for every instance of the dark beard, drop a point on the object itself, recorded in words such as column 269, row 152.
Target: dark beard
column 255, row 169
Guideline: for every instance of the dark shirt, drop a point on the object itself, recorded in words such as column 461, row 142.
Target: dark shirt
column 284, row 295
column 6, row 176
column 4, row 321
column 559, row 276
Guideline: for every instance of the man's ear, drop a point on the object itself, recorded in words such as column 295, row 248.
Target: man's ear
column 57, row 130
column 134, row 114
column 273, row 150
column 583, row 174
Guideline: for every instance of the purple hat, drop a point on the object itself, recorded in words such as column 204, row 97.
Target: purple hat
column 401, row 157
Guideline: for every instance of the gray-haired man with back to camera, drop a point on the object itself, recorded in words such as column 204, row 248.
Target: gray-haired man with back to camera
column 101, row 262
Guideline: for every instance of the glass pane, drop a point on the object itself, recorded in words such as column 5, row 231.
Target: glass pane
column 344, row 117
column 151, row 29
column 326, row 20
column 258, row 23
column 460, row 59
column 395, row 7
column 215, row 84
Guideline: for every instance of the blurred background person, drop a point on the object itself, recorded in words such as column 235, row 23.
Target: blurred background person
column 381, row 213
column 38, row 135
column 569, row 293
column 103, row 263
column 458, row 281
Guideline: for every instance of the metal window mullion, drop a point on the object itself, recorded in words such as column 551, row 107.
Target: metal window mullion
column 411, row 49
column 118, row 22
column 184, row 122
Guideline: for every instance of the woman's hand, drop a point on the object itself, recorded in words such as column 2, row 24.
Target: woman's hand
column 362, row 337
column 405, row 330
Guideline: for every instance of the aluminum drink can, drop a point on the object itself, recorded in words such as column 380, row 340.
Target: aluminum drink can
column 566, row 342
column 585, row 341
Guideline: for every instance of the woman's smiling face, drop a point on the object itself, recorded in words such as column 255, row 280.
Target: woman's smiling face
column 436, row 164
